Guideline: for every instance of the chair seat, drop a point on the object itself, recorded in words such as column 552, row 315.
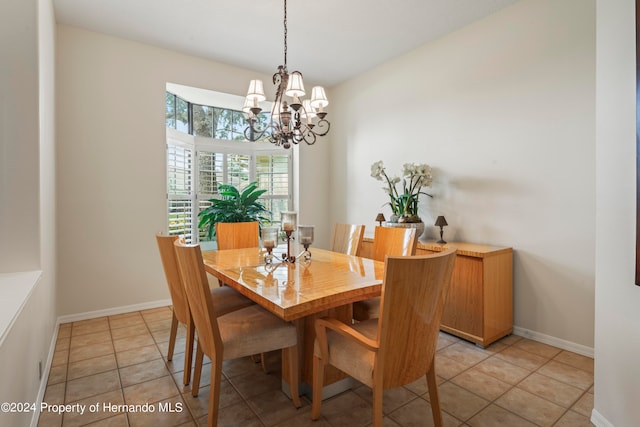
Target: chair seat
column 348, row 354
column 367, row 309
column 226, row 299
column 254, row 330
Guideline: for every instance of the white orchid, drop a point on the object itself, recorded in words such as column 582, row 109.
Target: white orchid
column 408, row 169
column 377, row 169
column 405, row 204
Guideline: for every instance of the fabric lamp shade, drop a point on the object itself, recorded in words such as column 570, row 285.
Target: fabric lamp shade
column 441, row 221
column 295, row 85
column 256, row 91
column 318, row 97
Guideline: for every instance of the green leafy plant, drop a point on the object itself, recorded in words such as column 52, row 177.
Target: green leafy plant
column 234, row 206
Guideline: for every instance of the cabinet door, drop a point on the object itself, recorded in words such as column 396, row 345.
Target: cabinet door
column 463, row 309
column 498, row 296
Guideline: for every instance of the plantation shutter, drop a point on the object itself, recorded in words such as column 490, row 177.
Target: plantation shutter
column 272, row 174
column 210, row 173
column 180, row 191
column 238, row 169
column 210, row 176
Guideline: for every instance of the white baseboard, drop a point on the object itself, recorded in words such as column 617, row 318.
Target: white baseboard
column 84, row 316
column 598, row 420
column 556, row 342
column 45, row 376
column 111, row 311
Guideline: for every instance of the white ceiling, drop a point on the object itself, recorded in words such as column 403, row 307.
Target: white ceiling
column 330, row 41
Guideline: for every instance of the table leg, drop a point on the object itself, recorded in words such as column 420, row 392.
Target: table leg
column 335, row 381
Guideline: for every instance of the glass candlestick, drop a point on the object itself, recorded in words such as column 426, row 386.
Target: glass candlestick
column 289, row 224
column 305, row 236
column 289, row 221
column 269, row 241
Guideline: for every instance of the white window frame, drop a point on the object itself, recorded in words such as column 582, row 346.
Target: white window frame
column 200, row 144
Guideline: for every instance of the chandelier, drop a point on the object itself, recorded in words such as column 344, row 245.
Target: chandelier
column 291, row 121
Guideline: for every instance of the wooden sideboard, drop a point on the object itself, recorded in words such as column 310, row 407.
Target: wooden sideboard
column 479, row 305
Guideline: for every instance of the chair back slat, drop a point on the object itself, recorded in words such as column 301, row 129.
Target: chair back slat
column 347, row 238
column 411, row 308
column 194, row 278
column 176, row 289
column 237, row 235
column 394, row 242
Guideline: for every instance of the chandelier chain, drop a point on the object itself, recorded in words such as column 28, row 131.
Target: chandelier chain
column 285, row 34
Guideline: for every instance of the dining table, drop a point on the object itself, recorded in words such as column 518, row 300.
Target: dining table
column 299, row 292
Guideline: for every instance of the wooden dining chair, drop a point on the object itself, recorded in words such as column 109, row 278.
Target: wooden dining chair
column 398, row 347
column 240, row 235
column 347, row 238
column 225, row 299
column 237, row 235
column 386, row 241
column 243, row 332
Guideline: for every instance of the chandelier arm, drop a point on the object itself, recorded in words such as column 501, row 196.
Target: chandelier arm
column 251, row 133
column 306, row 134
column 319, row 128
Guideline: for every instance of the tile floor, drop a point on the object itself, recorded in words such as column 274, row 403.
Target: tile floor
column 122, row 360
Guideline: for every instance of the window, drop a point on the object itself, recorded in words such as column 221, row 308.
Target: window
column 197, row 164
column 229, row 124
column 208, row 121
column 176, row 112
column 202, row 120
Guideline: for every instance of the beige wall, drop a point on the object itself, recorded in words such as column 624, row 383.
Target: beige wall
column 28, row 107
column 18, row 137
column 617, row 332
column 111, row 164
column 503, row 110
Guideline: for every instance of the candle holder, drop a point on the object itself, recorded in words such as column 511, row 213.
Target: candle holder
column 269, row 241
column 305, row 236
column 270, row 267
column 289, row 224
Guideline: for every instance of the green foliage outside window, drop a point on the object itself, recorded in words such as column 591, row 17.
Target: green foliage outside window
column 208, row 121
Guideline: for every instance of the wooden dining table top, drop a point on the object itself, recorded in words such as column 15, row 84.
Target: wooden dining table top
column 295, row 290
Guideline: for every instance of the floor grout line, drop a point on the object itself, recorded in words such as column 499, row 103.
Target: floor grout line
column 462, row 353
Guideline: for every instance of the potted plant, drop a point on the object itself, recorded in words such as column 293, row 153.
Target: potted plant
column 404, row 202
column 233, row 206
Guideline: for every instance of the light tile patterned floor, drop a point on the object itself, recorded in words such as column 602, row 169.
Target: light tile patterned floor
column 122, row 360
